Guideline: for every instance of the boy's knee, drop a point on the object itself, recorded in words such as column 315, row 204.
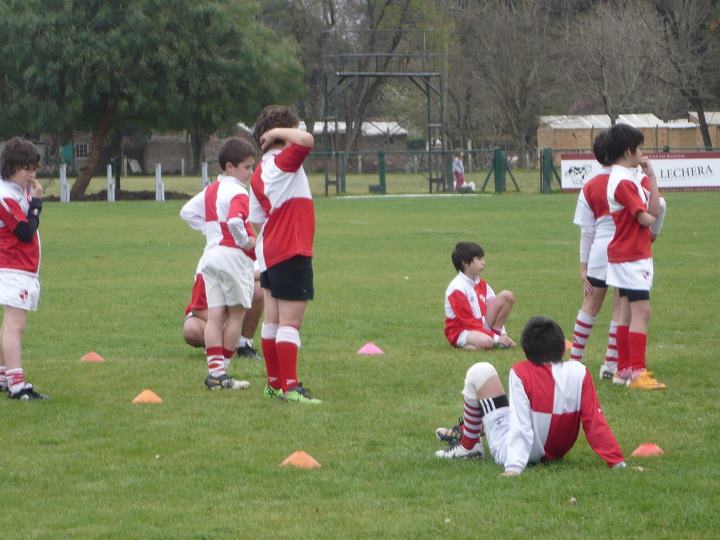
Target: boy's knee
column 476, row 377
column 508, row 296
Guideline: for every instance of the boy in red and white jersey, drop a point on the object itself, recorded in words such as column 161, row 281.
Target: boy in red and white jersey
column 630, row 264
column 592, row 214
column 220, row 211
column 474, row 315
column 540, row 417
column 20, row 207
column 282, row 203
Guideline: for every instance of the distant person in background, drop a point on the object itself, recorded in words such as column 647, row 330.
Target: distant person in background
column 458, row 170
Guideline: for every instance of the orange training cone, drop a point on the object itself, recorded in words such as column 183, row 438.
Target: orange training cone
column 92, row 356
column 647, row 450
column 147, row 396
column 301, row 460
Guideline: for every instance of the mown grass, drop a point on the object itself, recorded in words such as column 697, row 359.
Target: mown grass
column 116, row 277
column 528, row 180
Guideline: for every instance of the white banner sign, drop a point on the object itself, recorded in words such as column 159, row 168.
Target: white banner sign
column 675, row 171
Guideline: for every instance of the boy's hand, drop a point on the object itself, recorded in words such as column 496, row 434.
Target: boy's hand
column 506, row 342
column 35, row 189
column 587, row 286
column 647, row 168
column 268, row 138
column 250, row 244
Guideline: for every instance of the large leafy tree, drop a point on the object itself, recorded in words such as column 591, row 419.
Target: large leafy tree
column 181, row 64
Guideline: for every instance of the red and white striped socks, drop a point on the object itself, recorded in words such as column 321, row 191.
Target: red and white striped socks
column 581, row 333
column 611, row 353
column 215, row 361
column 15, row 379
column 3, row 378
column 268, row 333
column 472, row 424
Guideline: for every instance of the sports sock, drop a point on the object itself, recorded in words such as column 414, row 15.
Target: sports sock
column 3, row 377
column 287, row 344
column 472, row 424
column 638, row 345
column 244, row 342
column 623, row 347
column 227, row 357
column 215, row 361
column 15, row 380
column 611, row 353
column 268, row 332
column 581, row 334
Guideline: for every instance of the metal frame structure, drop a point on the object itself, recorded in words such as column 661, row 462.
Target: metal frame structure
column 412, row 59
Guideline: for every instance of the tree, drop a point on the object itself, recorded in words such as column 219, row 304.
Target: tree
column 89, row 64
column 692, row 49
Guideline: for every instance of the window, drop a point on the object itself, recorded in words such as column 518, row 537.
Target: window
column 82, row 150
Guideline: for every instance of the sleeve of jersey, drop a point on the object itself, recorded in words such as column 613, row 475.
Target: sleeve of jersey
column 627, row 194
column 584, row 216
column 587, row 235
column 292, row 157
column 461, row 307
column 236, row 219
column 520, row 432
column 656, row 226
column 597, row 431
column 193, row 212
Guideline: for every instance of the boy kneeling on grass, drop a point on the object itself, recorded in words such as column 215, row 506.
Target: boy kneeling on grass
column 539, row 419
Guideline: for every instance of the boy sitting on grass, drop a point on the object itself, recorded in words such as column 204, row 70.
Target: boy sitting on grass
column 539, row 419
column 474, row 315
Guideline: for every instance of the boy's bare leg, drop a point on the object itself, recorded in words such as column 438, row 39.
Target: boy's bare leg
column 194, row 331
column 13, row 328
column 499, row 308
column 478, row 341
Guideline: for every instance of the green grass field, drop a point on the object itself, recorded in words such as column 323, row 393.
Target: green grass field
column 528, row 181
column 116, row 277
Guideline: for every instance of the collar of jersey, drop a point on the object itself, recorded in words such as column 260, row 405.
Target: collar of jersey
column 468, row 278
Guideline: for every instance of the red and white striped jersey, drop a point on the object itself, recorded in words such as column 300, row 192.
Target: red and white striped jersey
column 548, row 403
column 282, row 201
column 626, row 197
column 592, row 212
column 466, row 303
column 14, row 254
column 220, row 212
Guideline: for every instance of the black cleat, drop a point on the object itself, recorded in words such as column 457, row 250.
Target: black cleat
column 251, row 353
column 27, row 393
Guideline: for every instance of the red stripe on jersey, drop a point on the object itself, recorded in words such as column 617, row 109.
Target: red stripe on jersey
column 595, row 191
column 291, row 158
column 211, row 202
column 632, row 241
column 14, row 254
column 258, row 188
column 289, row 231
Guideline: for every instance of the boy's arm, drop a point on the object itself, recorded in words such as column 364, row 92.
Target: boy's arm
column 22, row 226
column 520, row 432
column 656, row 227
column 300, row 143
column 654, row 198
column 627, row 194
column 597, row 431
column 237, row 221
column 463, row 312
column 193, row 212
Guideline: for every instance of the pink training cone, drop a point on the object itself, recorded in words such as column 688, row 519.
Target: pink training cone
column 301, row 460
column 370, row 349
column 92, row 356
column 647, row 450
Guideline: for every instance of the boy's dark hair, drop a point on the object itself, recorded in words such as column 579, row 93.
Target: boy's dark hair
column 457, row 152
column 18, row 154
column 599, row 148
column 274, row 116
column 543, row 340
column 621, row 138
column 235, row 151
column 465, row 252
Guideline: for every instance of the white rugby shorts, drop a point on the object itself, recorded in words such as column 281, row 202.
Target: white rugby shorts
column 634, row 275
column 496, row 424
column 19, row 290
column 229, row 277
